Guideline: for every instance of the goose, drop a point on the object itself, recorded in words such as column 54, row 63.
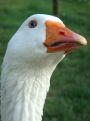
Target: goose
column 32, row 55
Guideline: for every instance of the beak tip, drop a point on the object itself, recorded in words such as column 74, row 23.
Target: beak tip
column 84, row 41
column 81, row 40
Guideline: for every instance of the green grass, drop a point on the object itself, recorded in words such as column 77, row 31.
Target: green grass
column 69, row 95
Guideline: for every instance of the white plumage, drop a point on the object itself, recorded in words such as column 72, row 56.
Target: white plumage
column 31, row 57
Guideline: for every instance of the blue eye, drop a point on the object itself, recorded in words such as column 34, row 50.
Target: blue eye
column 32, row 23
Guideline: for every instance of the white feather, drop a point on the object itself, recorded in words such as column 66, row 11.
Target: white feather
column 26, row 72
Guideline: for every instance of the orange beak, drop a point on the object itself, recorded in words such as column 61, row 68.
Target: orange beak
column 60, row 38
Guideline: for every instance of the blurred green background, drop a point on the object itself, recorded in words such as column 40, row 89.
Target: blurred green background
column 69, row 95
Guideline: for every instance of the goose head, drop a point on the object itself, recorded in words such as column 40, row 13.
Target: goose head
column 43, row 37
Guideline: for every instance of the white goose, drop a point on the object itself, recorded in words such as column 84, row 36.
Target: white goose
column 32, row 54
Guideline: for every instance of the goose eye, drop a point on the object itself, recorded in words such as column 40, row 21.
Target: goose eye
column 32, row 23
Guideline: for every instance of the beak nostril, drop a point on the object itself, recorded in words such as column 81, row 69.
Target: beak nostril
column 61, row 32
